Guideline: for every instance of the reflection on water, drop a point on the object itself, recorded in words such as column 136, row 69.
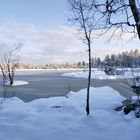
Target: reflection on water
column 6, row 92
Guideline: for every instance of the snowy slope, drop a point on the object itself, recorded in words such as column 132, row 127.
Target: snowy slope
column 61, row 118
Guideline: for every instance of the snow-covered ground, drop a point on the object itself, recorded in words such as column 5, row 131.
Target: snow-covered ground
column 61, row 118
column 100, row 75
column 17, row 83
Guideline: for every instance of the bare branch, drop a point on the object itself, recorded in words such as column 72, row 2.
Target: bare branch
column 114, row 13
column 11, row 61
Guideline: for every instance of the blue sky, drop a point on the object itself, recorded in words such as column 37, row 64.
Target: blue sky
column 41, row 26
column 40, row 13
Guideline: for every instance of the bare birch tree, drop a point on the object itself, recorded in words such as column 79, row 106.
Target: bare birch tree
column 10, row 64
column 82, row 17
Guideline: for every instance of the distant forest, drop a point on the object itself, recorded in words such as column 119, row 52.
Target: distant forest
column 124, row 59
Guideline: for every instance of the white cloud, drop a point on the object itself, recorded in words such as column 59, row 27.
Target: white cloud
column 43, row 46
column 53, row 46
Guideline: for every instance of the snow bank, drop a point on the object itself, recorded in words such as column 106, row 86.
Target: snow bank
column 100, row 75
column 61, row 118
column 17, row 83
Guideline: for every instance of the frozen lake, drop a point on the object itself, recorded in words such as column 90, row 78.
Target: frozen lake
column 45, row 84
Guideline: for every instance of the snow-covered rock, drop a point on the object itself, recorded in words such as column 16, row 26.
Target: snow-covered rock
column 17, row 83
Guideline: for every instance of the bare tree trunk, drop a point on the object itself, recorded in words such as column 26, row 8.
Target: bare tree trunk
column 12, row 76
column 11, row 80
column 9, row 72
column 89, row 80
column 136, row 15
column 83, row 18
column 4, row 77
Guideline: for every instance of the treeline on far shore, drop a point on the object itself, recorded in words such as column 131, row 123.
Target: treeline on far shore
column 124, row 59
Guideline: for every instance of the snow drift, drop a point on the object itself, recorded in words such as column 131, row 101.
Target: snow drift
column 61, row 118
